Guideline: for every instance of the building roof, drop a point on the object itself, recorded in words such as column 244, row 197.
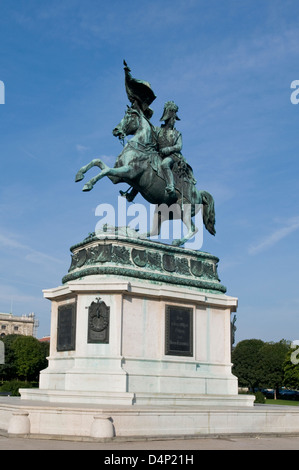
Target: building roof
column 25, row 318
column 45, row 339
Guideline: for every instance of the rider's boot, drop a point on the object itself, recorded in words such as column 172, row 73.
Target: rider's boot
column 170, row 189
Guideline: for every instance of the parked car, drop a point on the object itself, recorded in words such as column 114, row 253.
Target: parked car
column 286, row 394
column 268, row 393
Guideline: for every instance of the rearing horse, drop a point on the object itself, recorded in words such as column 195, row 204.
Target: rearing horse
column 139, row 166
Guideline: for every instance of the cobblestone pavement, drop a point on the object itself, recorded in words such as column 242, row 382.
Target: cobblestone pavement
column 220, row 443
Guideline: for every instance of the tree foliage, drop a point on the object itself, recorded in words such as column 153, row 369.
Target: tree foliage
column 259, row 364
column 246, row 362
column 8, row 370
column 25, row 357
column 272, row 356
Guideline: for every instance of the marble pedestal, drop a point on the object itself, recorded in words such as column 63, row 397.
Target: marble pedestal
column 139, row 323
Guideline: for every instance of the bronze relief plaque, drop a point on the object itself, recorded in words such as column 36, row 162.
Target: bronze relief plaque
column 98, row 322
column 169, row 263
column 139, row 257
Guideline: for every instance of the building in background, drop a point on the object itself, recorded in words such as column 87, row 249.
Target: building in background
column 12, row 325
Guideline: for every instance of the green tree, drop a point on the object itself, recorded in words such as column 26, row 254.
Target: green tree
column 273, row 357
column 247, row 362
column 28, row 357
column 25, row 357
column 8, row 370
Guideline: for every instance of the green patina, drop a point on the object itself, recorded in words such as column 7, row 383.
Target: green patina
column 144, row 260
column 152, row 164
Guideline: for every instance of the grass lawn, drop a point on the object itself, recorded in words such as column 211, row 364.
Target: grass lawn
column 270, row 401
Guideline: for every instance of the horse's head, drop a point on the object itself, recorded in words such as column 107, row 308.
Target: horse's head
column 128, row 125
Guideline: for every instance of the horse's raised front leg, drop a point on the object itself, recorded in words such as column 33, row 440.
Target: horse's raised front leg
column 84, row 169
column 120, row 172
column 90, row 184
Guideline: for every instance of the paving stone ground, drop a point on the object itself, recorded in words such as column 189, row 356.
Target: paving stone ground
column 106, row 448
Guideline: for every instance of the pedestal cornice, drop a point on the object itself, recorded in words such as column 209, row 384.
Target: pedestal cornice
column 144, row 260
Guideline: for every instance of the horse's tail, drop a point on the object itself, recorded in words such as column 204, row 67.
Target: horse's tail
column 208, row 211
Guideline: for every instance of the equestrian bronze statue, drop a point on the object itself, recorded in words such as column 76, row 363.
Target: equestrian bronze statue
column 151, row 162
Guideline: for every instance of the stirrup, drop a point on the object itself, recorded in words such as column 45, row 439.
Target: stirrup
column 170, row 188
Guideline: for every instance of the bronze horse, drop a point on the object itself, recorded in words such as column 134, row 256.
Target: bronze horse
column 139, row 166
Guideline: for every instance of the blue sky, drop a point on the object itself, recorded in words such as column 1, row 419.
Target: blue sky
column 228, row 64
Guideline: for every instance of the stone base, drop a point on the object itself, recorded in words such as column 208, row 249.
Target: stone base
column 133, row 359
column 87, row 422
column 137, row 399
column 138, row 323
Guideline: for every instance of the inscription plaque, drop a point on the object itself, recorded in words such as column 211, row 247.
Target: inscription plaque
column 178, row 331
column 66, row 327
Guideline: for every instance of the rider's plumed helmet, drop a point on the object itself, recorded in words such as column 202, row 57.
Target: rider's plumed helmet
column 170, row 110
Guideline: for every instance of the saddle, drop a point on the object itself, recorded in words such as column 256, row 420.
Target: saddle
column 182, row 173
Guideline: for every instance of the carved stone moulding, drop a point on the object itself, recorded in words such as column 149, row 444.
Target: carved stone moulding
column 144, row 259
